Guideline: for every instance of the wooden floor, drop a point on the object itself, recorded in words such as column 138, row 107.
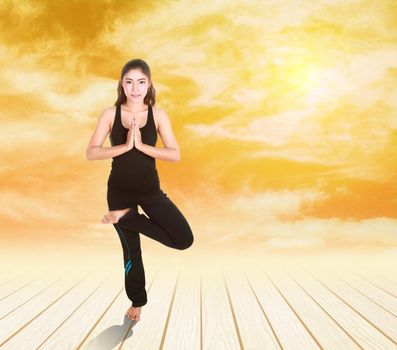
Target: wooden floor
column 249, row 307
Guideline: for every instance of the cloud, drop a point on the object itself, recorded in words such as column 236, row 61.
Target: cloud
column 23, row 208
column 278, row 220
column 249, row 81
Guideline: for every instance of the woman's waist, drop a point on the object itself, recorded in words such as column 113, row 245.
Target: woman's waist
column 133, row 156
column 136, row 175
column 147, row 184
column 133, row 167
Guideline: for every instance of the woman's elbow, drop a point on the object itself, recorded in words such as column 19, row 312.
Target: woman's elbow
column 88, row 154
column 177, row 157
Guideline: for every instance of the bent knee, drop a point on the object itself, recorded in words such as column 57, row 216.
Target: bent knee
column 186, row 242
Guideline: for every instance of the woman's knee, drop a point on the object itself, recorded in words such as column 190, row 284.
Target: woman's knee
column 186, row 241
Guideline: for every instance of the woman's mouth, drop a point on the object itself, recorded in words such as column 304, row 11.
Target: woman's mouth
column 135, row 95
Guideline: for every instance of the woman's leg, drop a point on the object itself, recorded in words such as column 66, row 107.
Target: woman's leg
column 166, row 224
column 134, row 273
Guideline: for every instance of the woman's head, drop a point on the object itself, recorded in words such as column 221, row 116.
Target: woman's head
column 136, row 83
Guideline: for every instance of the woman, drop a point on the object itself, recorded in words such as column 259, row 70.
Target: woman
column 132, row 124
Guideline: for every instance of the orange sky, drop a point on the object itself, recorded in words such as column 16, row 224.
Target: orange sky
column 285, row 114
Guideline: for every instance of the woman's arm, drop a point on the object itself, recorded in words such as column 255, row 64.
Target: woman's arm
column 170, row 152
column 95, row 151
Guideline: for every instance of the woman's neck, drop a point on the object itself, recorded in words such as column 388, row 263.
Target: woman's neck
column 134, row 107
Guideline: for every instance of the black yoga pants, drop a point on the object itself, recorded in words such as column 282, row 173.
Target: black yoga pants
column 165, row 224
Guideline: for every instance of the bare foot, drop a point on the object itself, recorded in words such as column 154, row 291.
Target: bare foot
column 113, row 216
column 134, row 313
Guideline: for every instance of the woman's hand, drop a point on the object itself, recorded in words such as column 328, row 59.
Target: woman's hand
column 137, row 137
column 130, row 137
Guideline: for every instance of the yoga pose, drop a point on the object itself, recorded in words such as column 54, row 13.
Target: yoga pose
column 132, row 125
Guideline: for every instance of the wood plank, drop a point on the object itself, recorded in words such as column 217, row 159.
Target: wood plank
column 383, row 283
column 12, row 270
column 184, row 327
column 150, row 333
column 253, row 322
column 329, row 333
column 388, row 274
column 219, row 321
column 45, row 302
column 7, row 278
column 112, row 326
column 378, row 278
column 18, row 283
column 358, row 327
column 22, row 292
column 82, row 315
column 290, row 329
column 372, row 292
column 382, row 320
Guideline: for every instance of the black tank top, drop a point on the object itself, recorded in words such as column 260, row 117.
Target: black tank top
column 134, row 170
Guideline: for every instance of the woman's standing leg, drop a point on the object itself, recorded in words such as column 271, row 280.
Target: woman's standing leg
column 166, row 224
column 134, row 273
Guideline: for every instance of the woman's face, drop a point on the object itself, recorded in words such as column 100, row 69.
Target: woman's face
column 135, row 85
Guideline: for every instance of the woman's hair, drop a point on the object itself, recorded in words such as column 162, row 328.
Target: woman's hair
column 150, row 98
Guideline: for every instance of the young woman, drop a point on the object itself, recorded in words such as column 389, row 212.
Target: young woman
column 133, row 123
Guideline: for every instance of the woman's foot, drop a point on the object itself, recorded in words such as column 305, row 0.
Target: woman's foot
column 134, row 313
column 113, row 216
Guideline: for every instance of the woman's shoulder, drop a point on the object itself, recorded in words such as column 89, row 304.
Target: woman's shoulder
column 157, row 109
column 107, row 116
column 109, row 112
column 109, row 109
column 158, row 116
column 158, row 112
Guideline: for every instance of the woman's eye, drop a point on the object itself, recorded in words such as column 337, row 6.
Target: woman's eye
column 143, row 82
